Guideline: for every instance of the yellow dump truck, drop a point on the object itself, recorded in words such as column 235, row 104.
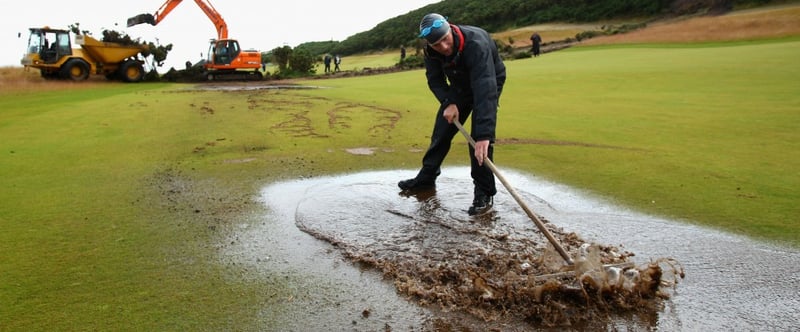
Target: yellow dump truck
column 50, row 51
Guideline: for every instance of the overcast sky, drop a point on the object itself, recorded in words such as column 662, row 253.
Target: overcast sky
column 261, row 25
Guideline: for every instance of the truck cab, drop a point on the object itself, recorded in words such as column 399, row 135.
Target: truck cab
column 47, row 46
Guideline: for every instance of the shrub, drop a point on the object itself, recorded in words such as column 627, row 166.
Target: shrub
column 280, row 57
column 588, row 34
column 413, row 61
column 302, row 62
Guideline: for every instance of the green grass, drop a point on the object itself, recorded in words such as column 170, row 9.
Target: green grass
column 707, row 134
column 83, row 249
column 114, row 197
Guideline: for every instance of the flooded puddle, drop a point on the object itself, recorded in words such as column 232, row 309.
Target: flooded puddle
column 362, row 256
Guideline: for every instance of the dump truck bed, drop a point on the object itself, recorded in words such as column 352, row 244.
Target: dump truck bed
column 107, row 52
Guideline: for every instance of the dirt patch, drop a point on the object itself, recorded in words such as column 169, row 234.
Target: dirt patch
column 386, row 118
column 20, row 80
column 493, row 267
column 505, row 279
column 300, row 124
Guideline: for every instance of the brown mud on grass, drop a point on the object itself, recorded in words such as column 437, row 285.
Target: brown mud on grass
column 493, row 266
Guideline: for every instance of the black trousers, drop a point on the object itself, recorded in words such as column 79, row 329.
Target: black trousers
column 441, row 140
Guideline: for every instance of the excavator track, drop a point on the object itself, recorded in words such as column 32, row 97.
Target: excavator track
column 233, row 75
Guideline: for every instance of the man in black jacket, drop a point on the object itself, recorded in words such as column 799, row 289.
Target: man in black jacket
column 536, row 43
column 466, row 75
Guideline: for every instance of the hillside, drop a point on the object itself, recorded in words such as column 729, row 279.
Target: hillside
column 767, row 22
column 503, row 15
column 758, row 23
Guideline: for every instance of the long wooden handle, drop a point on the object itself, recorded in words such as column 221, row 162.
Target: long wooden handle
column 516, row 196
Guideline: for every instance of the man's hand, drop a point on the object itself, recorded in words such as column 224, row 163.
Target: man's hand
column 481, row 151
column 450, row 113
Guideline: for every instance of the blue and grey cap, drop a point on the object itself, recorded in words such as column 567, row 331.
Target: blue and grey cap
column 433, row 27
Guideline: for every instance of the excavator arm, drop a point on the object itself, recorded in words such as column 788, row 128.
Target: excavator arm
column 226, row 60
column 169, row 5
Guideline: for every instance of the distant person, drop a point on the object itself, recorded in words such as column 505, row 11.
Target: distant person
column 327, row 61
column 466, row 74
column 337, row 60
column 402, row 53
column 536, row 43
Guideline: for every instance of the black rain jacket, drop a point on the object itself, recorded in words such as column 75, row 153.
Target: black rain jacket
column 474, row 74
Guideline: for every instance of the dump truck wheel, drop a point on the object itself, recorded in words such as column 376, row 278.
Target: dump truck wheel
column 75, row 69
column 131, row 71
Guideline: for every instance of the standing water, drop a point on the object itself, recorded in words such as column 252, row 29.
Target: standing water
column 321, row 231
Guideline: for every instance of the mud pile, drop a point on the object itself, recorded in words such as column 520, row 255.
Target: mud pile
column 493, row 285
column 493, row 266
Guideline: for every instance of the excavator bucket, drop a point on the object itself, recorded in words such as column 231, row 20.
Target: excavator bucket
column 142, row 18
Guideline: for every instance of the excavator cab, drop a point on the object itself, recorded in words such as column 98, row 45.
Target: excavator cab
column 47, row 45
column 222, row 52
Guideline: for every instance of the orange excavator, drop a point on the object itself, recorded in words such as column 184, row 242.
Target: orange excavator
column 225, row 58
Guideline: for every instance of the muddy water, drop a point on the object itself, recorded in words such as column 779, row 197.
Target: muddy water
column 318, row 227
